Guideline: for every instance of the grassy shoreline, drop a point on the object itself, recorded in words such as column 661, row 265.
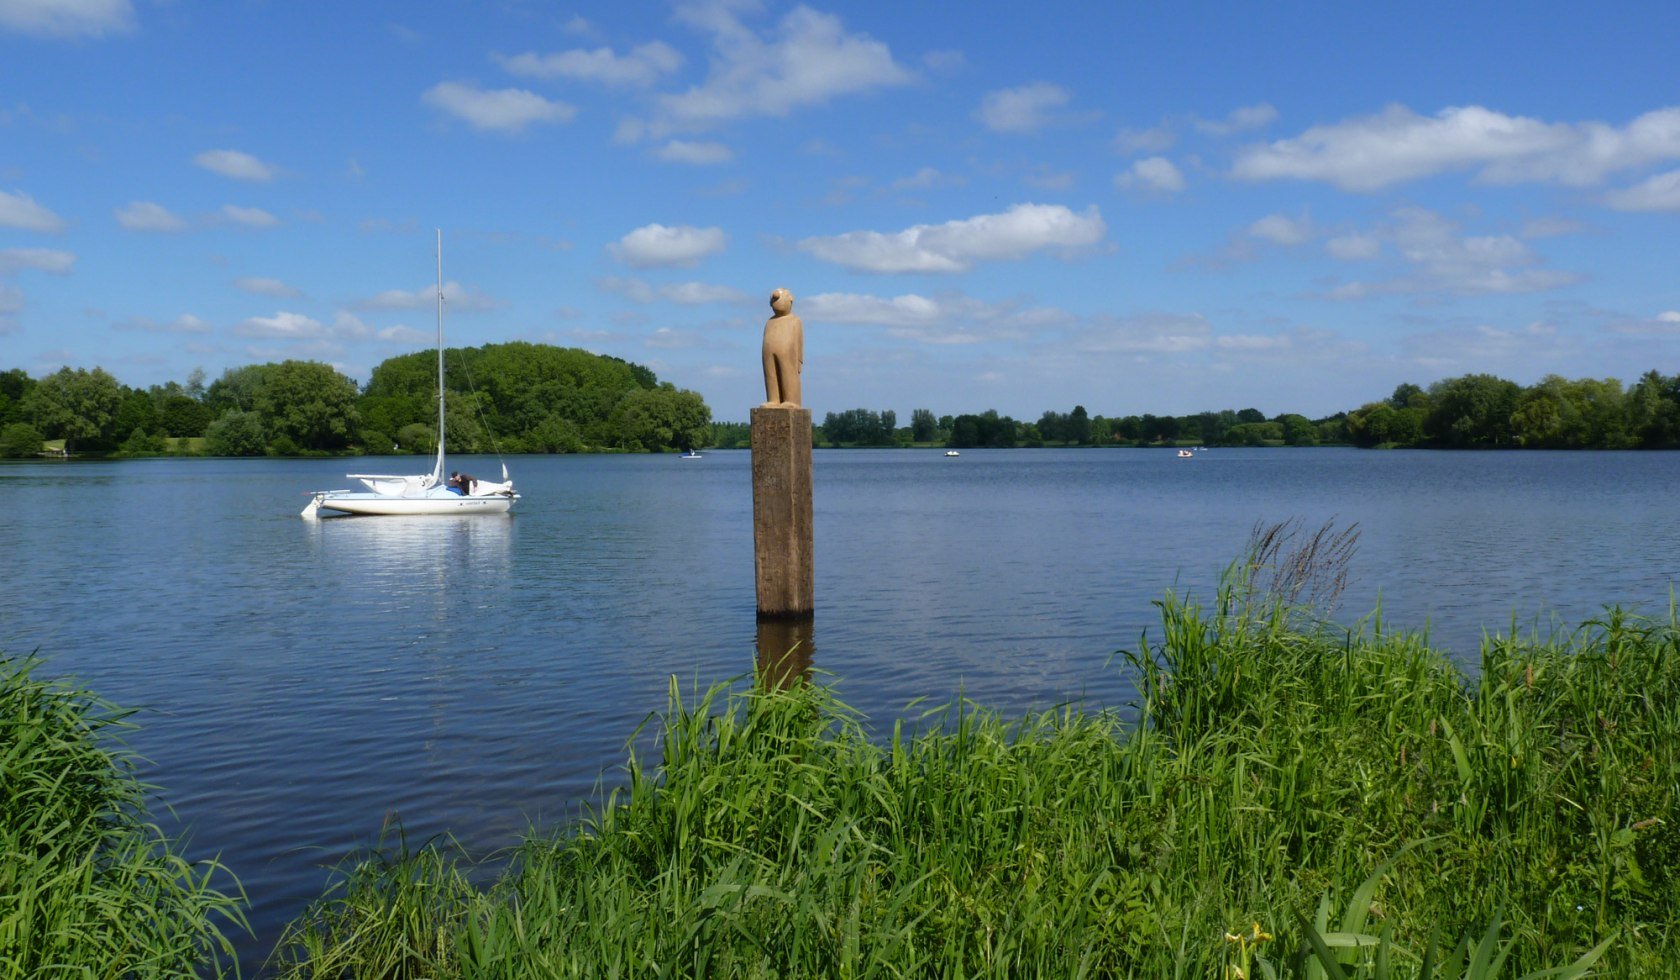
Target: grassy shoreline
column 1287, row 800
column 1293, row 803
column 88, row 885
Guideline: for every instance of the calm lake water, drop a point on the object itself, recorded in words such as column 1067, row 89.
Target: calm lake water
column 301, row 681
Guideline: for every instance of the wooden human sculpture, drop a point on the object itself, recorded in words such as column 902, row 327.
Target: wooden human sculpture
column 784, row 353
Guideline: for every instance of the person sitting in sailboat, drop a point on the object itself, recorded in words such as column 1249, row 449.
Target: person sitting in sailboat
column 461, row 483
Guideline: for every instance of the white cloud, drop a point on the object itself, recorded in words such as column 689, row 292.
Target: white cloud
column 236, row 164
column 148, row 216
column 927, row 178
column 400, row 334
column 658, row 245
column 680, row 293
column 67, row 18
column 1665, row 324
column 1477, row 346
column 249, row 217
column 1046, row 179
column 641, row 67
column 282, row 325
column 807, row 60
column 263, row 286
column 1353, row 247
column 1253, row 342
column 185, row 323
column 11, row 301
column 946, row 319
column 1658, row 193
column 1550, row 227
column 666, row 338
column 1025, row 109
column 1156, row 139
column 456, row 297
column 347, row 324
column 19, row 210
column 50, row 260
column 1371, row 152
column 700, row 294
column 1146, row 333
column 507, row 110
column 1443, row 261
column 699, row 153
column 1151, row 174
column 1240, row 120
column 1282, row 230
column 956, row 246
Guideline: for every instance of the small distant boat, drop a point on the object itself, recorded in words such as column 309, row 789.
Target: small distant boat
column 1186, row 454
column 691, row 454
column 952, row 452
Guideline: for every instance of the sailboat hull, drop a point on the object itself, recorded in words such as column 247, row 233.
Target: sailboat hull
column 365, row 504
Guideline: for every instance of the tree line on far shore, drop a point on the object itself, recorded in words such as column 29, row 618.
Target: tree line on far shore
column 513, row 398
column 521, row 397
column 1473, row 411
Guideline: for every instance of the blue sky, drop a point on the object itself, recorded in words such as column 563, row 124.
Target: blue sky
column 1161, row 208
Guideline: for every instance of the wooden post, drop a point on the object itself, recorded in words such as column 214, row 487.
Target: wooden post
column 781, row 475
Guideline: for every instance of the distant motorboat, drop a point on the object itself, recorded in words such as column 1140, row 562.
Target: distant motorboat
column 1186, row 454
column 952, row 452
column 691, row 454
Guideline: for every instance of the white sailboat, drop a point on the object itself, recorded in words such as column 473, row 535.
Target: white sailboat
column 425, row 493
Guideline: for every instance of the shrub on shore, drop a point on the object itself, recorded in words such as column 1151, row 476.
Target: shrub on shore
column 1354, row 795
column 88, row 887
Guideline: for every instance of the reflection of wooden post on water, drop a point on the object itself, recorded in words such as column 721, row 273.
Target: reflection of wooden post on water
column 781, row 475
column 785, row 648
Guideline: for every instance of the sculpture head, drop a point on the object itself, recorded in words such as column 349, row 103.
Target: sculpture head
column 781, row 301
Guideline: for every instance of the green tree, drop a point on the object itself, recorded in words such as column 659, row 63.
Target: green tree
column 76, row 405
column 1473, row 411
column 1078, row 426
column 1298, row 430
column 1653, row 411
column 15, row 386
column 923, row 426
column 183, row 416
column 663, row 418
column 236, row 433
column 20, row 440
column 137, row 412
column 309, row 403
column 417, row 437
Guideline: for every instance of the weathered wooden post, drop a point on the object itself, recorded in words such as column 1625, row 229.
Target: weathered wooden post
column 781, row 472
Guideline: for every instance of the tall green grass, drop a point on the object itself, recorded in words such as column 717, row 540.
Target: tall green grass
column 1289, row 801
column 88, row 887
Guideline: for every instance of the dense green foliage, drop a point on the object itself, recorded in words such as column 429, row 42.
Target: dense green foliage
column 1481, row 411
column 861, row 427
column 1476, row 411
column 20, row 440
column 515, row 397
column 87, row 886
column 522, row 397
column 1277, row 775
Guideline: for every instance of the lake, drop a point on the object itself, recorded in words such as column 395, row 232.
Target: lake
column 303, row 681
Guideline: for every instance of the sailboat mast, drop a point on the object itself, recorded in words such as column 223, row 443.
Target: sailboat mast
column 437, row 471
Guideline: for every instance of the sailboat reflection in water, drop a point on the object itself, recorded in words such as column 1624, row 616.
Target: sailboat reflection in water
column 425, row 493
